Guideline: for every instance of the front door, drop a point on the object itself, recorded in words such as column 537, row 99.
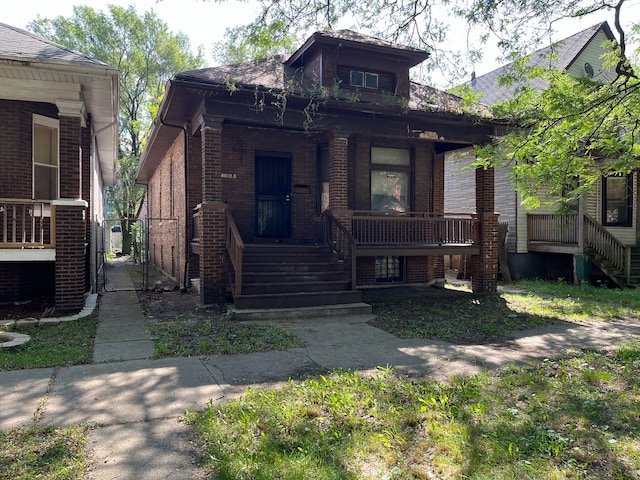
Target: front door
column 273, row 196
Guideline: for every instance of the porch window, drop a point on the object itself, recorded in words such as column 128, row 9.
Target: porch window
column 617, row 195
column 45, row 158
column 390, row 174
column 390, row 192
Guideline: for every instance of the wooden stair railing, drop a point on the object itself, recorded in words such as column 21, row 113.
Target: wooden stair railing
column 235, row 248
column 617, row 254
column 342, row 242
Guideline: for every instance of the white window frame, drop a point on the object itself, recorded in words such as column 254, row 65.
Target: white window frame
column 54, row 124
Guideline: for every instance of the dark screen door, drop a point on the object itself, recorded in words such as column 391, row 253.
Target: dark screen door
column 273, row 196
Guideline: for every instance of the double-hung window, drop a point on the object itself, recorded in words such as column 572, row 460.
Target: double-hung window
column 617, row 200
column 46, row 158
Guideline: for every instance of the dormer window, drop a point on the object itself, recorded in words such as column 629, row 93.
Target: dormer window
column 363, row 79
column 350, row 77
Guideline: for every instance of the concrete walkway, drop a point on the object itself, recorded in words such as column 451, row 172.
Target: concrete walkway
column 135, row 401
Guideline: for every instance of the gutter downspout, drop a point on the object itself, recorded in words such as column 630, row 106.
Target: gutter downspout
column 187, row 242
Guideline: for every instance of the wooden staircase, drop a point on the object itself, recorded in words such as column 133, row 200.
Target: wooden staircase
column 616, row 274
column 292, row 276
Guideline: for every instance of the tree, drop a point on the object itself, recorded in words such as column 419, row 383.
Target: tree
column 560, row 134
column 147, row 54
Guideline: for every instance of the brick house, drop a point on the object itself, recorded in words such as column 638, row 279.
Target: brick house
column 295, row 180
column 58, row 146
column 601, row 237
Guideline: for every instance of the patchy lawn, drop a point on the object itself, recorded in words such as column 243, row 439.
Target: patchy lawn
column 569, row 418
column 456, row 315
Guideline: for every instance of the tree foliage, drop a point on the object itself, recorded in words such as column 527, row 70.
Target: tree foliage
column 147, row 54
column 575, row 129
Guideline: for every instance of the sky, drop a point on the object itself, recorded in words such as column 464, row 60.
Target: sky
column 204, row 21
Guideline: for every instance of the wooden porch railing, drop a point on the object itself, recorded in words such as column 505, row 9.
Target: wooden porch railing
column 552, row 228
column 566, row 228
column 26, row 224
column 602, row 242
column 343, row 243
column 414, row 228
column 235, row 248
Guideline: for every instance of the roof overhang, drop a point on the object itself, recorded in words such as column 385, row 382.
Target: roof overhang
column 96, row 87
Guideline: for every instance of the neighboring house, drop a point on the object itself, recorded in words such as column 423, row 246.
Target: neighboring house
column 603, row 231
column 294, row 180
column 58, row 147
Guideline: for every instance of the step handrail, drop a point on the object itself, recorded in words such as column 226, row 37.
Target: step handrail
column 235, row 248
column 604, row 243
column 342, row 242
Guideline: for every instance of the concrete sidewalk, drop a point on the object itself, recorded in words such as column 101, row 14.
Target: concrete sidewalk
column 135, row 401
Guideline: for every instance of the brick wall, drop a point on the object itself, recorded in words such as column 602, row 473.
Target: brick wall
column 484, row 267
column 16, row 130
column 167, row 216
column 70, row 171
column 70, row 217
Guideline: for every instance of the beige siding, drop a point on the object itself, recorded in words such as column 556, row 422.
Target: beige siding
column 506, row 204
column 592, row 55
column 459, row 183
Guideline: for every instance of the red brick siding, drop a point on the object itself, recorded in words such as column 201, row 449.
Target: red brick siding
column 70, row 172
column 167, row 212
column 484, row 267
column 239, row 149
column 16, row 130
column 70, row 258
column 213, row 278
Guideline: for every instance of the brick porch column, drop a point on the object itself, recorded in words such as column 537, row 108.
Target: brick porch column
column 212, row 221
column 484, row 267
column 339, row 178
column 69, row 217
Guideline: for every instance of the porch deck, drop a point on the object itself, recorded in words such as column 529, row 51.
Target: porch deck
column 27, row 231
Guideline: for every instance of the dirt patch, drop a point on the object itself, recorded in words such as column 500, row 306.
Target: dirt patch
column 35, row 308
column 164, row 301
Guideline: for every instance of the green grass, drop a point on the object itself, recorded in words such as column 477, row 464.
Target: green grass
column 565, row 302
column 457, row 315
column 65, row 343
column 571, row 418
column 43, row 453
column 217, row 335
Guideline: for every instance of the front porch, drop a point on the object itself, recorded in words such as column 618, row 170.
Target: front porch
column 43, row 248
column 581, row 234
column 27, row 232
column 281, row 275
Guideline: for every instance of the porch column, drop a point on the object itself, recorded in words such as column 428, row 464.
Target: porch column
column 212, row 220
column 484, row 267
column 339, row 178
column 69, row 217
column 71, row 116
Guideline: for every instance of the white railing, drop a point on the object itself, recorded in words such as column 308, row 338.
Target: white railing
column 26, row 224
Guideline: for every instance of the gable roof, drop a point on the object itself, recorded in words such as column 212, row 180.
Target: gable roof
column 35, row 69
column 18, row 44
column 560, row 56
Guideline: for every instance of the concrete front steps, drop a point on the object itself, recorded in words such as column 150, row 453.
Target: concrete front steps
column 277, row 276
